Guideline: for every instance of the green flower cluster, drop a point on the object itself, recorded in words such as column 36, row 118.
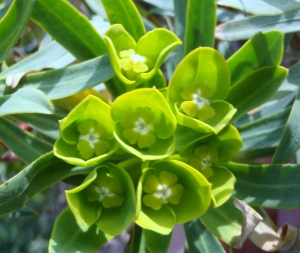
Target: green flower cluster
column 158, row 154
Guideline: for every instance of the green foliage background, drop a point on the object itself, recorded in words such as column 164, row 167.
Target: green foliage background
column 41, row 35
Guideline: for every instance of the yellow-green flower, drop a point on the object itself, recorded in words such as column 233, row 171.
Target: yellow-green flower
column 106, row 198
column 92, row 139
column 139, row 127
column 137, row 62
column 170, row 192
column 203, row 158
column 86, row 134
column 162, row 190
column 197, row 90
column 197, row 104
column 144, row 123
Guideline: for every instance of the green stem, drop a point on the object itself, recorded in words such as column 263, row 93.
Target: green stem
column 129, row 162
column 136, row 239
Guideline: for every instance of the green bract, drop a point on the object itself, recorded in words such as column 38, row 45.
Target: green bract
column 133, row 62
column 169, row 193
column 145, row 123
column 197, row 89
column 105, row 198
column 86, row 133
column 206, row 155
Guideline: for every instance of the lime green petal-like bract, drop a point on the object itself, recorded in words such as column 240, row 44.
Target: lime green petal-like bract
column 135, row 63
column 114, row 211
column 187, row 195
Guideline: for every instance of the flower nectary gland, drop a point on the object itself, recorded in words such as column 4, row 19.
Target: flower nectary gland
column 162, row 190
column 92, row 140
column 105, row 190
column 196, row 103
column 132, row 63
column 203, row 158
column 199, row 100
column 138, row 127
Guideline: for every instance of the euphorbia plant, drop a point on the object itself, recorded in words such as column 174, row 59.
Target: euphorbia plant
column 157, row 147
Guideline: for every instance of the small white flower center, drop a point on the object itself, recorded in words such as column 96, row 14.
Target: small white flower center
column 103, row 192
column 141, row 127
column 206, row 162
column 200, row 101
column 137, row 58
column 91, row 137
column 163, row 192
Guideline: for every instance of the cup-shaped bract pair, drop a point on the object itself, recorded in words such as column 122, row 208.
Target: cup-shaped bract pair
column 136, row 62
column 207, row 156
column 171, row 192
column 86, row 134
column 144, row 123
column 105, row 198
column 197, row 89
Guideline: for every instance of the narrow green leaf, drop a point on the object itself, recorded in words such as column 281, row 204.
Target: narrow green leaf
column 45, row 124
column 96, row 7
column 69, row 27
column 264, row 132
column 225, row 14
column 36, row 177
column 200, row 24
column 224, row 48
column 12, row 24
column 245, row 28
column 271, row 186
column 157, row 243
column 68, row 236
column 60, row 83
column 262, row 7
column 262, row 50
column 180, row 7
column 255, row 89
column 290, row 139
column 25, row 100
column 200, row 240
column 253, row 155
column 3, row 9
column 25, row 145
column 137, row 244
column 162, row 4
column 267, row 110
column 37, row 61
column 124, row 12
column 290, row 84
column 24, row 212
column 224, row 222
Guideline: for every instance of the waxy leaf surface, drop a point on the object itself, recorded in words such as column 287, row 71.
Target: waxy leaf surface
column 69, row 27
column 25, row 100
column 289, row 142
column 24, row 144
column 124, row 12
column 12, row 24
column 255, row 89
column 36, row 177
column 200, row 24
column 199, row 239
column 262, row 50
column 270, row 186
column 262, row 7
column 247, row 27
